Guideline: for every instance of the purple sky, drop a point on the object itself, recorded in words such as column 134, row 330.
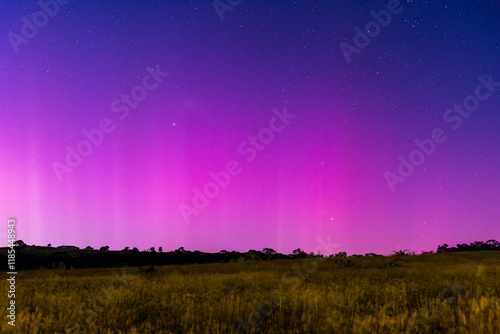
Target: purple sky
column 321, row 172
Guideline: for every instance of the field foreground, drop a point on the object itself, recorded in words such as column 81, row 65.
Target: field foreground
column 431, row 293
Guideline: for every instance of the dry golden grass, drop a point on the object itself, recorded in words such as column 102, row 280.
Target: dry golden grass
column 434, row 293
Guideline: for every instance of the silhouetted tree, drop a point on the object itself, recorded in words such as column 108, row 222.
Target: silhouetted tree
column 135, row 249
column 49, row 245
column 104, row 248
column 253, row 255
column 269, row 252
column 341, row 254
column 299, row 253
column 442, row 249
column 493, row 244
column 180, row 250
column 19, row 244
column 160, row 249
column 402, row 252
column 126, row 249
column 371, row 254
column 152, row 250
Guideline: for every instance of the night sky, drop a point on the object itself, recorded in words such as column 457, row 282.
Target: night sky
column 241, row 125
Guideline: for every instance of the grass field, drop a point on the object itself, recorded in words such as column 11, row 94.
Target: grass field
column 431, row 293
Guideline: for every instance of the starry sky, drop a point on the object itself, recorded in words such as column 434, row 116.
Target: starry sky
column 241, row 125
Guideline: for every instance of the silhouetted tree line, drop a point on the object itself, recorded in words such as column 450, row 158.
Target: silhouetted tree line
column 62, row 257
column 33, row 257
column 475, row 246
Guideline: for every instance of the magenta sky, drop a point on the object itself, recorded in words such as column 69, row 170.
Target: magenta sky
column 320, row 175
